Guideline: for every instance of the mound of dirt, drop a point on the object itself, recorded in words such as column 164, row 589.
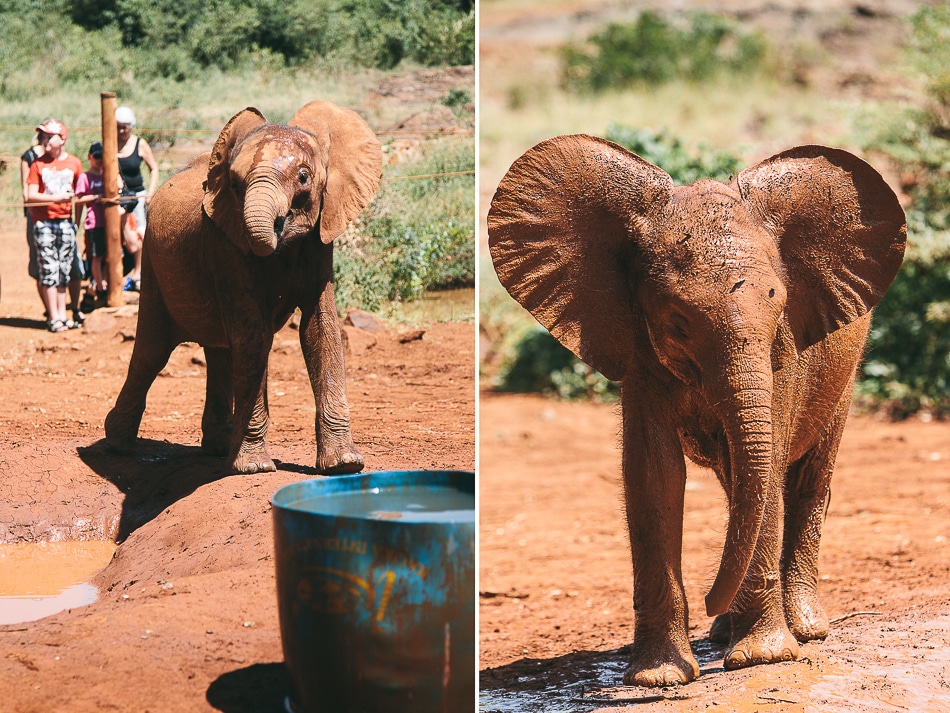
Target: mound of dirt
column 186, row 619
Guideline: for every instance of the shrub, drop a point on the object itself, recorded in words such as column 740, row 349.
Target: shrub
column 226, row 33
column 416, row 235
column 542, row 364
column 654, row 50
column 669, row 153
column 907, row 367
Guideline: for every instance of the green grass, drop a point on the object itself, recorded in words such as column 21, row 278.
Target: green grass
column 417, row 235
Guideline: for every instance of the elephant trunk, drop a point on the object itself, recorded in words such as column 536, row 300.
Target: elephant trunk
column 746, row 412
column 265, row 208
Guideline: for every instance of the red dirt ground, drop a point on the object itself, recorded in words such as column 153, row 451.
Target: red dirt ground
column 187, row 616
column 556, row 592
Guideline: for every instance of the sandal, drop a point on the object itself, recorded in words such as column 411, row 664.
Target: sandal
column 78, row 319
column 56, row 325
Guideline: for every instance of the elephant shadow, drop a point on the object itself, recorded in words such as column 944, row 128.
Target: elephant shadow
column 580, row 680
column 22, row 323
column 158, row 475
column 259, row 688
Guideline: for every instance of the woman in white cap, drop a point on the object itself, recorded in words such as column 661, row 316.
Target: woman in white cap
column 133, row 150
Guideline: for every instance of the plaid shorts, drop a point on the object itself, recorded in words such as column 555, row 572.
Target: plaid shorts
column 55, row 250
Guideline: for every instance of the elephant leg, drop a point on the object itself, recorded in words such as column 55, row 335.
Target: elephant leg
column 759, row 633
column 807, row 492
column 322, row 343
column 248, row 450
column 216, row 421
column 720, row 631
column 654, row 475
column 153, row 346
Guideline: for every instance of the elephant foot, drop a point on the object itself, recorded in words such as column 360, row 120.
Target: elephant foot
column 768, row 640
column 339, row 461
column 121, row 432
column 252, row 458
column 721, row 630
column 806, row 618
column 661, row 665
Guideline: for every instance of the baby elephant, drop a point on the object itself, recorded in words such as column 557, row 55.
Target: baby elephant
column 234, row 244
column 734, row 317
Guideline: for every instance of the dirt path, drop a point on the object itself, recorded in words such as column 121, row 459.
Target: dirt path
column 186, row 619
column 555, row 611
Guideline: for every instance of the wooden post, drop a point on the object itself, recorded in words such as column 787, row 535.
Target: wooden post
column 110, row 179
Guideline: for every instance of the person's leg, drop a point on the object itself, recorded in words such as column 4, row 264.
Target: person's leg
column 77, row 271
column 47, row 267
column 132, row 240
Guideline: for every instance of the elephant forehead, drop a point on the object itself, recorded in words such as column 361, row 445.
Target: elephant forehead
column 710, row 237
column 283, row 151
column 709, row 218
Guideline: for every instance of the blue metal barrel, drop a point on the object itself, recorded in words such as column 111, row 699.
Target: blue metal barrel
column 376, row 592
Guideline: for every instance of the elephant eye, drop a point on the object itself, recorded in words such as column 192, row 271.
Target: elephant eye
column 680, row 327
column 303, row 176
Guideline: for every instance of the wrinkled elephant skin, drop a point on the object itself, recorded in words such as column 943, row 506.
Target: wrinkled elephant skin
column 734, row 317
column 234, row 244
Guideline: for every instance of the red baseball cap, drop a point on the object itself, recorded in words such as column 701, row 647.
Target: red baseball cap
column 54, row 126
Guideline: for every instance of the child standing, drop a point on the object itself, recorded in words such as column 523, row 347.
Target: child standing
column 51, row 183
column 89, row 191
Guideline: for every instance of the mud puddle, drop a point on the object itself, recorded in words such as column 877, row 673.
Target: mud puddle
column 592, row 683
column 869, row 666
column 38, row 579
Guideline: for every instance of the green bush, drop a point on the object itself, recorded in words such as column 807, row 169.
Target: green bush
column 669, row 153
column 542, row 364
column 418, row 234
column 226, row 33
column 654, row 50
column 907, row 367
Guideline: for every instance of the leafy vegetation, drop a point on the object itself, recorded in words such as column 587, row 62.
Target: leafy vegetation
column 654, row 49
column 907, row 368
column 669, row 153
column 378, row 33
column 416, row 235
column 99, row 41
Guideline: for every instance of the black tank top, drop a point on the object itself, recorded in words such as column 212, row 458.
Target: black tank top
column 131, row 169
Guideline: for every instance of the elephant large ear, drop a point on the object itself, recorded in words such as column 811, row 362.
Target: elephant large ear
column 563, row 230
column 355, row 163
column 220, row 202
column 840, row 231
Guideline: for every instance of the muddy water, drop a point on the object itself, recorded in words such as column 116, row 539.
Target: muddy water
column 43, row 578
column 893, row 666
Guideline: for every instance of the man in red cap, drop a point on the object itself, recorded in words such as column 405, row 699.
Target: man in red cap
column 51, row 185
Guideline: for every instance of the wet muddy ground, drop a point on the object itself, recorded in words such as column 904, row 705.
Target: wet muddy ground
column 555, row 589
column 186, row 618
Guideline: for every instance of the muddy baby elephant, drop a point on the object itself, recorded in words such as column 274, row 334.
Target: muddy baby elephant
column 235, row 243
column 734, row 317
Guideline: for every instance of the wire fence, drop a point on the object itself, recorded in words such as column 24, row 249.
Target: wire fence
column 12, row 158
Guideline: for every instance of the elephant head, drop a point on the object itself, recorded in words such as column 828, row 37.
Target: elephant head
column 723, row 284
column 269, row 184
